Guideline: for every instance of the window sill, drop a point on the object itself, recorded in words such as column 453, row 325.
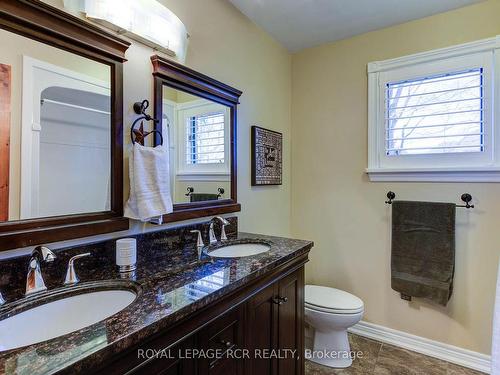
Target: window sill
column 434, row 175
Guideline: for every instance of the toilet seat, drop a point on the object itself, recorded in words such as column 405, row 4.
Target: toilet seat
column 331, row 300
column 333, row 311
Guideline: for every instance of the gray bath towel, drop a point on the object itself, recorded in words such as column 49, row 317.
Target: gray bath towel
column 423, row 250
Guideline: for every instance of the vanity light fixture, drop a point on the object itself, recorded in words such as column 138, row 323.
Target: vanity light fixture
column 146, row 21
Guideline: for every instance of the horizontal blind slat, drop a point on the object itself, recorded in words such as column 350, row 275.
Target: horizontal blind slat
column 431, row 80
column 436, row 103
column 435, row 92
column 434, row 137
column 436, row 147
column 438, row 125
column 435, row 114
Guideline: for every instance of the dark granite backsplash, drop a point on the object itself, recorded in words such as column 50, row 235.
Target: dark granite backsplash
column 177, row 242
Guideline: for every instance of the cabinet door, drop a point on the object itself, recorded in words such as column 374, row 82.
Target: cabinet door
column 223, row 341
column 261, row 332
column 290, row 324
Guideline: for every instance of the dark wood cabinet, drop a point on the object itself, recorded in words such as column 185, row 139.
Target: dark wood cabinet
column 275, row 328
column 257, row 330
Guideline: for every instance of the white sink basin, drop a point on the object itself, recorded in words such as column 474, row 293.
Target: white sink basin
column 239, row 250
column 61, row 317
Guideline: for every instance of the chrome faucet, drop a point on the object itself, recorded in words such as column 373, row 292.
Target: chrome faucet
column 71, row 276
column 2, row 300
column 211, row 233
column 34, row 280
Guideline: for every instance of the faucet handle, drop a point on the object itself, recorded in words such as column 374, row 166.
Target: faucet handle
column 71, row 276
column 223, row 223
column 2, row 300
column 199, row 241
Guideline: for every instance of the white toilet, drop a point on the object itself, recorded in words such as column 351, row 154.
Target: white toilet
column 329, row 312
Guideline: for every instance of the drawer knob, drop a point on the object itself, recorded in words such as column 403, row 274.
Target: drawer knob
column 280, row 300
column 227, row 344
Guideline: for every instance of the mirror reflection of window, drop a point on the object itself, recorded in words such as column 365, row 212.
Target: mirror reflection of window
column 199, row 141
column 205, row 138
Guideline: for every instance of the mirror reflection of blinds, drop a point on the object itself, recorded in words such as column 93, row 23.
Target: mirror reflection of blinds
column 205, row 139
column 438, row 114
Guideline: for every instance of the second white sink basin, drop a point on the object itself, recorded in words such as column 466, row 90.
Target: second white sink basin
column 61, row 317
column 239, row 250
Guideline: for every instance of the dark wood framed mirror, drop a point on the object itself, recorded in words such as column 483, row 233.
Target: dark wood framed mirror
column 71, row 181
column 199, row 115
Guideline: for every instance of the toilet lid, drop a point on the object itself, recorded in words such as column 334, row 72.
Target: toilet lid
column 331, row 299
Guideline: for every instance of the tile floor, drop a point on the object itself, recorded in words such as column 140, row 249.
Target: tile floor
column 384, row 359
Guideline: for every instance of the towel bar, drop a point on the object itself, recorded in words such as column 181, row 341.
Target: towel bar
column 466, row 197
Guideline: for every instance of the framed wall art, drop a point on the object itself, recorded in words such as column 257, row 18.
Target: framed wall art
column 267, row 157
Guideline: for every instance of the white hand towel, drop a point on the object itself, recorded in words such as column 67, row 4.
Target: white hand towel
column 149, row 183
column 495, row 348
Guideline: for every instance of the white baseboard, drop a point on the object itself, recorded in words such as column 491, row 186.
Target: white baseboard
column 436, row 349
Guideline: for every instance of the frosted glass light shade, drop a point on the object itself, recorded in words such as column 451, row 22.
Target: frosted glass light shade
column 145, row 20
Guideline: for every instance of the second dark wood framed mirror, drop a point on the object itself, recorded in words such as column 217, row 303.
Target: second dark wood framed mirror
column 198, row 118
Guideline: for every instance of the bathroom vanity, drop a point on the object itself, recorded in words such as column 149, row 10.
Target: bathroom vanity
column 190, row 316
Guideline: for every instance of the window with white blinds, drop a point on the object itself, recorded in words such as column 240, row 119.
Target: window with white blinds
column 205, row 138
column 436, row 114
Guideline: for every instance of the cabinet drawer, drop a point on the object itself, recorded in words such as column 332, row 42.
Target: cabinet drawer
column 220, row 336
column 226, row 337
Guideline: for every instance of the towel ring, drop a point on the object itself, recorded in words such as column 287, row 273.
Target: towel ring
column 145, row 134
column 140, row 109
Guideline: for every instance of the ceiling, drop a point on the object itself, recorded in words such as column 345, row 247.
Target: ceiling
column 299, row 24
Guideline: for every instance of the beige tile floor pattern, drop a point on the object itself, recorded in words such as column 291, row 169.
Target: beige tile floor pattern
column 384, row 359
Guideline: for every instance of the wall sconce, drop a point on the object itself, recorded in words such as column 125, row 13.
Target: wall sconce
column 146, row 21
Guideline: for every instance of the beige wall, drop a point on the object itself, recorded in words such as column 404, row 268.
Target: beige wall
column 334, row 204
column 227, row 46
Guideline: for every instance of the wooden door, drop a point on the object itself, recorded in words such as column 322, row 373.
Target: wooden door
column 5, row 113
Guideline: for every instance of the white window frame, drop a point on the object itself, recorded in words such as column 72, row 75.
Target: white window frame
column 201, row 172
column 452, row 167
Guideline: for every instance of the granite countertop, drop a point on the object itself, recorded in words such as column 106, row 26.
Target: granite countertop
column 170, row 282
